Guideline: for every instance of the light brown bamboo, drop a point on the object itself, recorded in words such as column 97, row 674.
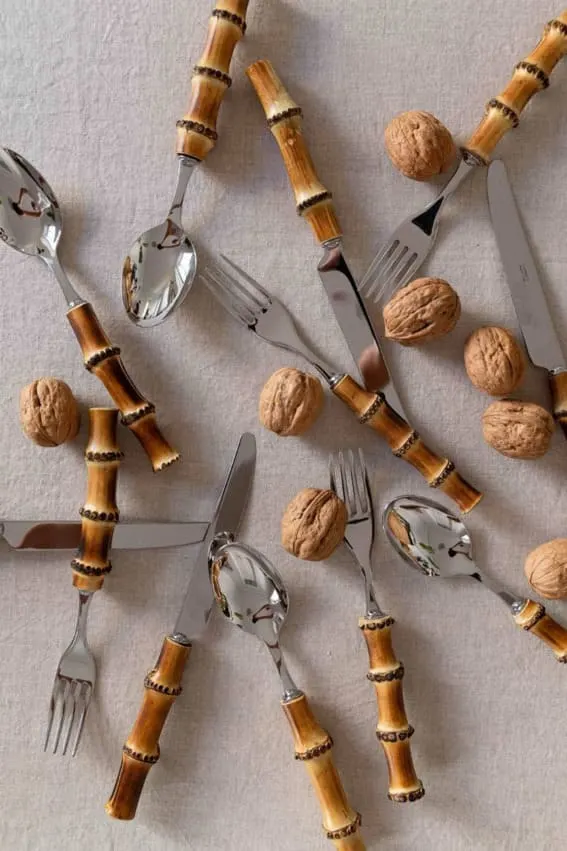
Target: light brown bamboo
column 141, row 750
column 314, row 201
column 99, row 514
column 533, row 619
column 393, row 730
column 313, row 747
column 103, row 360
column 558, row 383
column 374, row 411
column 197, row 130
column 531, row 75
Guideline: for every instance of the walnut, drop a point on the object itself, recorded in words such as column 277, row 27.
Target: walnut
column 494, row 360
column 313, row 524
column 49, row 413
column 424, row 310
column 290, row 402
column 419, row 145
column 518, row 429
column 546, row 569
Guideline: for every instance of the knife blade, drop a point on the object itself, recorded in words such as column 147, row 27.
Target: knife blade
column 314, row 203
column 64, row 535
column 525, row 286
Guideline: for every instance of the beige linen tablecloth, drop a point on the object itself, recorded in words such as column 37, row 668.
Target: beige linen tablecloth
column 90, row 93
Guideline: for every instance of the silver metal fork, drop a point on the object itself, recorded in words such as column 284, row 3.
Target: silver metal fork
column 73, row 685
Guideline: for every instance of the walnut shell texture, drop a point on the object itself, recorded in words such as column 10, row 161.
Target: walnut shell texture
column 49, row 413
column 290, row 402
column 494, row 360
column 546, row 569
column 419, row 145
column 426, row 309
column 313, row 524
column 518, row 429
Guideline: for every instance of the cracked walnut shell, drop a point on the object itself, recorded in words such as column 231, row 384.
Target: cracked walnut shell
column 494, row 360
column 518, row 429
column 313, row 524
column 426, row 309
column 419, row 145
column 49, row 413
column 290, row 402
column 546, row 569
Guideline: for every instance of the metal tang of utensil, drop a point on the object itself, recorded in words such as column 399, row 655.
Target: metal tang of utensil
column 435, row 542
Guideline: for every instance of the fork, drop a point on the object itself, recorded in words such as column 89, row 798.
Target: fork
column 76, row 672
column 349, row 480
column 252, row 306
column 396, row 263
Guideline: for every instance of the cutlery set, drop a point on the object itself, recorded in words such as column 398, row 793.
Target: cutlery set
column 226, row 573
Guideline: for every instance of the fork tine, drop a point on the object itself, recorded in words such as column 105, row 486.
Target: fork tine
column 87, row 694
column 227, row 298
column 62, row 717
column 72, row 690
column 361, row 482
column 333, row 474
column 238, row 289
column 372, row 277
column 51, row 713
column 390, row 272
column 235, row 291
column 346, row 482
column 256, row 287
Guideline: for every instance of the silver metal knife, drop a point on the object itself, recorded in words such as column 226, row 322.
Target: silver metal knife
column 525, row 286
column 65, row 535
column 163, row 683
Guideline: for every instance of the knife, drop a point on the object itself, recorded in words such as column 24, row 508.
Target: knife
column 527, row 293
column 163, row 683
column 314, row 203
column 65, row 535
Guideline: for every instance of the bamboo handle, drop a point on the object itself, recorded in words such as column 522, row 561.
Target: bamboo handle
column 141, row 749
column 393, row 730
column 558, row 383
column 531, row 75
column 103, row 359
column 534, row 619
column 197, row 130
column 313, row 747
column 99, row 514
column 314, row 201
column 373, row 410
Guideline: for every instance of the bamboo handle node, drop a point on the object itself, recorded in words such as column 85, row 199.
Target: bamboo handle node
column 103, row 360
column 533, row 619
column 314, row 201
column 393, row 730
column 531, row 75
column 197, row 130
column 99, row 514
column 141, row 749
column 558, row 382
column 313, row 747
column 373, row 410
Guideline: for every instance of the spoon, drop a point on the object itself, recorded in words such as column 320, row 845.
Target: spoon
column 30, row 222
column 251, row 594
column 437, row 543
column 160, row 267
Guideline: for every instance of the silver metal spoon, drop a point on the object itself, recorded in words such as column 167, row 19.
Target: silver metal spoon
column 251, row 594
column 30, row 222
column 435, row 542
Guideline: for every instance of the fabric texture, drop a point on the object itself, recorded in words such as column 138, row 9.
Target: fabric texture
column 90, row 94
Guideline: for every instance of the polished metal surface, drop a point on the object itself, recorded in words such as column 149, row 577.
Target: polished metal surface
column 197, row 604
column 435, row 542
column 349, row 480
column 252, row 595
column 73, row 686
column 30, row 218
column 522, row 274
column 161, row 265
column 398, row 260
column 65, row 535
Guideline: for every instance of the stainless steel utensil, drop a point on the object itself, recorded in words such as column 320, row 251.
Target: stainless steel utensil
column 160, row 267
column 41, row 535
column 251, row 594
column 399, row 259
column 349, row 480
column 30, row 222
column 251, row 305
column 526, row 290
column 163, row 684
column 437, row 543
